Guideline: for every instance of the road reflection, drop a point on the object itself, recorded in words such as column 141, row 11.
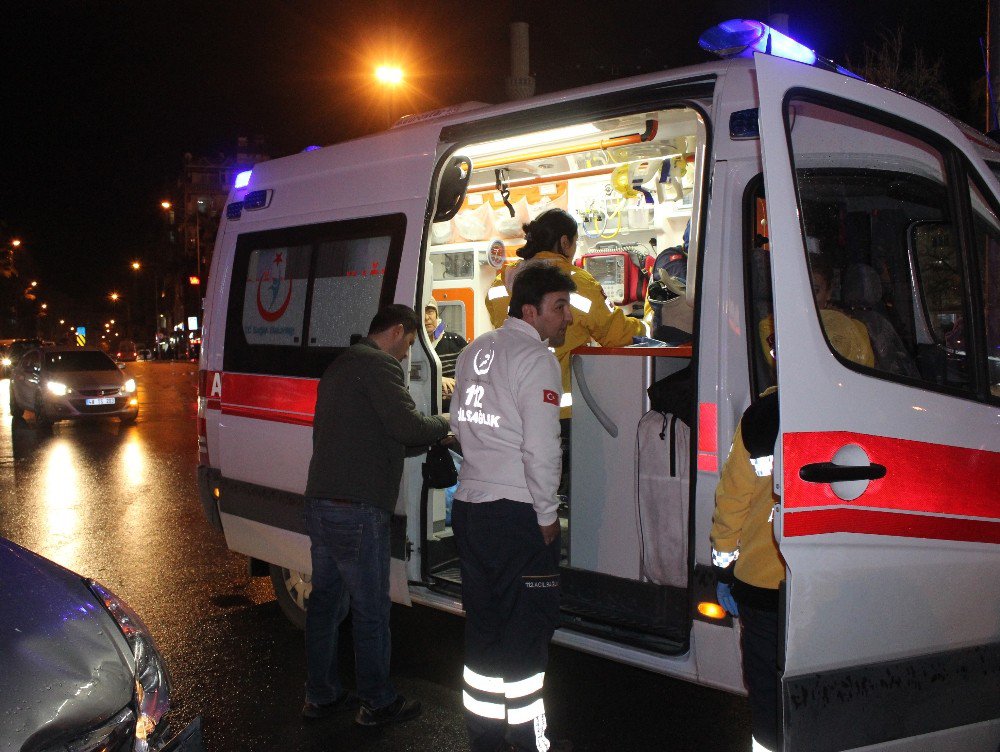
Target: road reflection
column 61, row 499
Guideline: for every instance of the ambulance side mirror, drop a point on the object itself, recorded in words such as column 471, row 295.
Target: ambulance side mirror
column 451, row 187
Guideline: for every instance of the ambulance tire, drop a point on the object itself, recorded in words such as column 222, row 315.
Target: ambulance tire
column 292, row 590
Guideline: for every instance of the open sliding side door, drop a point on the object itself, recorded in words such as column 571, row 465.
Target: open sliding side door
column 890, row 516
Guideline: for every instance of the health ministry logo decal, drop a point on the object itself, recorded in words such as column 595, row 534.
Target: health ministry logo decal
column 269, row 286
column 482, row 362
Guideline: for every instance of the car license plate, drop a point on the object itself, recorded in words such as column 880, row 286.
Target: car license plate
column 101, row 401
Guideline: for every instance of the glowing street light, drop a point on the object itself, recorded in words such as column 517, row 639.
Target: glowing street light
column 389, row 75
column 114, row 297
column 136, row 266
column 166, row 205
column 15, row 243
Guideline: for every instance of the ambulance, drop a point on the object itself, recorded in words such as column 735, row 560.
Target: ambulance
column 775, row 164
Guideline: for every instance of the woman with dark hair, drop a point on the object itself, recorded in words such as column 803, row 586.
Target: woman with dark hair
column 551, row 237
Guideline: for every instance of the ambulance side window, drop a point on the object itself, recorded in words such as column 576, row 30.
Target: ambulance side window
column 760, row 300
column 986, row 223
column 353, row 270
column 882, row 242
column 299, row 294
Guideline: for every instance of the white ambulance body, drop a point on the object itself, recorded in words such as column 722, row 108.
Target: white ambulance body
column 890, row 514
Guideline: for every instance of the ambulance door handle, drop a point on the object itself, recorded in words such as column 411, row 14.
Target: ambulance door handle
column 828, row 472
column 581, row 381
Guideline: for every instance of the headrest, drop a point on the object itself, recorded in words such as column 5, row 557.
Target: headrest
column 861, row 286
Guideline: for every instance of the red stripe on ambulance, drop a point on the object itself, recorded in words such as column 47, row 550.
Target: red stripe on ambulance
column 896, row 524
column 274, row 398
column 920, row 476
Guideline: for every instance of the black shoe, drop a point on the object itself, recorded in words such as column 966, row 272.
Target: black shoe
column 313, row 712
column 397, row 711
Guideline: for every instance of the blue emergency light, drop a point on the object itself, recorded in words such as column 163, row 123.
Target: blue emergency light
column 741, row 37
column 242, row 179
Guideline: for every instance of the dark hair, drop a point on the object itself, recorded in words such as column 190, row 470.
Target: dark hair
column 393, row 315
column 544, row 232
column 533, row 280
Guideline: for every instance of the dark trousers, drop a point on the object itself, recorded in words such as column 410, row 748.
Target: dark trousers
column 510, row 590
column 760, row 670
column 350, row 570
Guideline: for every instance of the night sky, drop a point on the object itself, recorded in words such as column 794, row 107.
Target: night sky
column 102, row 98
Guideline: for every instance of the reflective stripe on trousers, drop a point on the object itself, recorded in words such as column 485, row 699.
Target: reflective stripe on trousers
column 518, row 702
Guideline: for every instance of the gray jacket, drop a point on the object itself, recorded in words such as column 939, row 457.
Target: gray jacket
column 365, row 421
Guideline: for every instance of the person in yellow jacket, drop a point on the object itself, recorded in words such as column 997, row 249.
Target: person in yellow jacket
column 748, row 565
column 552, row 237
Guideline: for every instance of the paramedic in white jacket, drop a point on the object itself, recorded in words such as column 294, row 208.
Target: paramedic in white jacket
column 505, row 413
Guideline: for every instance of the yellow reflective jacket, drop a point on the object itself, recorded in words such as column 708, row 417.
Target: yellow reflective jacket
column 742, row 518
column 594, row 318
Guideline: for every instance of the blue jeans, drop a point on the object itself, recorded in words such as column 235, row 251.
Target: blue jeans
column 350, row 570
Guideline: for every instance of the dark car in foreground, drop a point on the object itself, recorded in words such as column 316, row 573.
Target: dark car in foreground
column 13, row 352
column 66, row 383
column 81, row 671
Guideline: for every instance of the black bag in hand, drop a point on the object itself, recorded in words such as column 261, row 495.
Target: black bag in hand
column 439, row 468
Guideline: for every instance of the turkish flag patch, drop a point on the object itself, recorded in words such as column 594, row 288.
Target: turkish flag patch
column 551, row 397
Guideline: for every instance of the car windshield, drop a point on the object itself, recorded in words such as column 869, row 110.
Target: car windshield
column 81, row 360
column 18, row 349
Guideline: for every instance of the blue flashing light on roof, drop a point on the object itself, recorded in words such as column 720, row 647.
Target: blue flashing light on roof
column 242, row 179
column 742, row 37
column 314, row 147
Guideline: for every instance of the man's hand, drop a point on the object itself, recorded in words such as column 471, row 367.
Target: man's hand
column 549, row 532
column 447, row 386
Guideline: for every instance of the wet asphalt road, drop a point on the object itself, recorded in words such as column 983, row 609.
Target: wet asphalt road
column 120, row 504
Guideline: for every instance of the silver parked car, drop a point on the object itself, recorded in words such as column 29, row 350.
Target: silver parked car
column 66, row 383
column 80, row 670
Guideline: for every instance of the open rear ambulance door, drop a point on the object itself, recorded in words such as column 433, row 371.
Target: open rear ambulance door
column 890, row 515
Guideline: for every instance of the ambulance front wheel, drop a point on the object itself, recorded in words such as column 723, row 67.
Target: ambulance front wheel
column 292, row 590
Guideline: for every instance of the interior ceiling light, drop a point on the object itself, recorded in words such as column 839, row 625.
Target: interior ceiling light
column 527, row 140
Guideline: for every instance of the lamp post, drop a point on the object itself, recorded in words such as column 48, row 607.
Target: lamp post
column 136, row 268
column 390, row 77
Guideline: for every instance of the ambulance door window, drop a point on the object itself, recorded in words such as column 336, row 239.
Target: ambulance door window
column 347, row 285
column 986, row 224
column 299, row 294
column 883, row 246
column 274, row 295
column 760, row 301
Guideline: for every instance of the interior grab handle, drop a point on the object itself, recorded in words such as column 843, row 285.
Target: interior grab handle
column 581, row 381
column 828, row 472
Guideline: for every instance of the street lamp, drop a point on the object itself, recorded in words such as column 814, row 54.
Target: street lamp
column 389, row 77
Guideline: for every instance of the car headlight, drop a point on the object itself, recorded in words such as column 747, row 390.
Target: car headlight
column 5, row 362
column 57, row 388
column 129, row 386
column 152, row 681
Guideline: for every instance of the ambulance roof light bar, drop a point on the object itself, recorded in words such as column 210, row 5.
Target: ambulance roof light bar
column 242, row 179
column 741, row 37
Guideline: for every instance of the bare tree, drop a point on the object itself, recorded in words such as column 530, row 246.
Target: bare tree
column 917, row 75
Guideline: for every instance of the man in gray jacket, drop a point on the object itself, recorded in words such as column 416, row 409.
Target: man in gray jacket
column 505, row 414
column 365, row 423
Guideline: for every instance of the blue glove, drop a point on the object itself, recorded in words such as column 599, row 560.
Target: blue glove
column 724, row 594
